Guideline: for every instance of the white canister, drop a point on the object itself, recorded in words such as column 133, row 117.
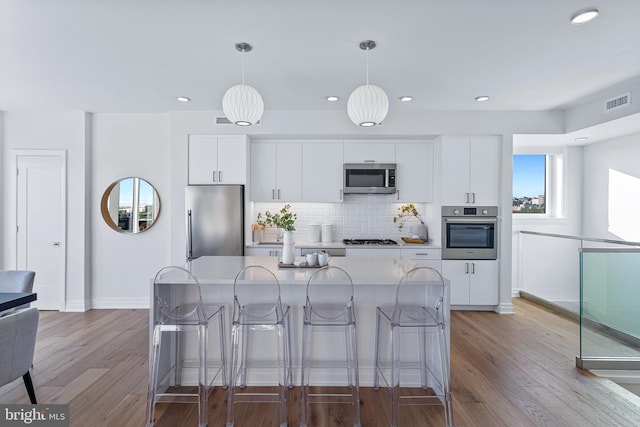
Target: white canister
column 314, row 233
column 328, row 233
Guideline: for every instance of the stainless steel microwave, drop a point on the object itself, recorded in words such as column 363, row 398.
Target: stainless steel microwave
column 369, row 178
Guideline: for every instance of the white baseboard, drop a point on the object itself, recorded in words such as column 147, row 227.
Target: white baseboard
column 77, row 306
column 120, row 303
column 515, row 293
column 506, row 308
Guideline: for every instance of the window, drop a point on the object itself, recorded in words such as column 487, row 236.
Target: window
column 529, row 184
column 538, row 182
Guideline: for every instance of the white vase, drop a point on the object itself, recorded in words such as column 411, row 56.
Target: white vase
column 288, row 254
column 420, row 230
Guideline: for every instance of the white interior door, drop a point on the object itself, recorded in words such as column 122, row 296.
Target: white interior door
column 40, row 231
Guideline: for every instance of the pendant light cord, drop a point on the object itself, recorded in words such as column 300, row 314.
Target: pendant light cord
column 368, row 66
column 243, row 67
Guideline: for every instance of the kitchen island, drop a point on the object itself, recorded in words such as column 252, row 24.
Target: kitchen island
column 375, row 281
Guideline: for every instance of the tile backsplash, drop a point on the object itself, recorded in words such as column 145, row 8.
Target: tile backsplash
column 358, row 217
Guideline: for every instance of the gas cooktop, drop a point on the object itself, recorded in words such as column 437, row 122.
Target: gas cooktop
column 369, row 242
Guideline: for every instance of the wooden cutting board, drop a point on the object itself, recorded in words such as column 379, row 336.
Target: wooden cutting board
column 409, row 240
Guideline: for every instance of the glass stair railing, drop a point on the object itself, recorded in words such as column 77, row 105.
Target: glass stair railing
column 594, row 280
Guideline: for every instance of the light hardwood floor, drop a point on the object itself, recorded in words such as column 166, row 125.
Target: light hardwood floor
column 506, row 370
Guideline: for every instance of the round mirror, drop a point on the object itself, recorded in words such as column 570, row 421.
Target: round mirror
column 130, row 205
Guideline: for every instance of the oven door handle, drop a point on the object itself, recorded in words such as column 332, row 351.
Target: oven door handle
column 457, row 220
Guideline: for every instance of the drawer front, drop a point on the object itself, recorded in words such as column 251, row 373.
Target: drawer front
column 421, row 253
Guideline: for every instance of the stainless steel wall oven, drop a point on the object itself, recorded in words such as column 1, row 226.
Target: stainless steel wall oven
column 469, row 232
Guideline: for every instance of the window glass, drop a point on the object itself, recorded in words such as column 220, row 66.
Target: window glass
column 529, row 184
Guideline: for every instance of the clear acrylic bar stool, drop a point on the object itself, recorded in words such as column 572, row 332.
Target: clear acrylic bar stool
column 178, row 309
column 329, row 304
column 258, row 308
column 419, row 307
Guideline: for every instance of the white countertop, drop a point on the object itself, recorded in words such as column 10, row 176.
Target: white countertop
column 363, row 270
column 304, row 244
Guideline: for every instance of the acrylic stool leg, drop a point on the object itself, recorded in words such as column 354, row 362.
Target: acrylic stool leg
column 305, row 372
column 376, row 357
column 233, row 375
column 153, row 375
column 352, row 361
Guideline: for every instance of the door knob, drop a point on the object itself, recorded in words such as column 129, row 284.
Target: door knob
column 56, row 243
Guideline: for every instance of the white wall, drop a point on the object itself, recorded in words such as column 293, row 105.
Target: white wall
column 544, row 269
column 126, row 145
column 108, row 269
column 611, row 205
column 63, row 131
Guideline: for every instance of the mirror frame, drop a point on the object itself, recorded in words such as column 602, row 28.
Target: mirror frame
column 106, row 214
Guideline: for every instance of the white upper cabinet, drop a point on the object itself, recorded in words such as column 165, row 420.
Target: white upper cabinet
column 470, row 170
column 369, row 152
column 414, row 173
column 276, row 171
column 322, row 171
column 215, row 159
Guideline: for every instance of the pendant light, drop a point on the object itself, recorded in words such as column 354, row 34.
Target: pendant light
column 368, row 105
column 242, row 104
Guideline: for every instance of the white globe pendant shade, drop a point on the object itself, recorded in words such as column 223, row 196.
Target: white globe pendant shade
column 243, row 105
column 368, row 105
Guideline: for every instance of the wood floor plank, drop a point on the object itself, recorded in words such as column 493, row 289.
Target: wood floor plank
column 506, row 370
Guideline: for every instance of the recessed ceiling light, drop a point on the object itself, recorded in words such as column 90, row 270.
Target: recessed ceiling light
column 583, row 16
column 581, row 139
column 332, row 98
column 406, row 98
column 482, row 98
column 183, row 99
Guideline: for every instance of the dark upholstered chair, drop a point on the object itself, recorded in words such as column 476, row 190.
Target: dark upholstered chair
column 17, row 345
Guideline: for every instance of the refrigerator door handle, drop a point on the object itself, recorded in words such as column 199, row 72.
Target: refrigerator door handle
column 189, row 236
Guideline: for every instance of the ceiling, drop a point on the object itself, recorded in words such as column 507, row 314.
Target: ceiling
column 139, row 55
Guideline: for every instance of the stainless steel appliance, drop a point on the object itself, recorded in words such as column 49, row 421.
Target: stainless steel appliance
column 369, row 178
column 215, row 220
column 469, row 232
column 369, row 242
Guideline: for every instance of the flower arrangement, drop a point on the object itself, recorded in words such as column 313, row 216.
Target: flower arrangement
column 405, row 213
column 283, row 219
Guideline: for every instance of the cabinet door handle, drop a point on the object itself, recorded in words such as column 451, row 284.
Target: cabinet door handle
column 466, row 268
column 421, row 253
column 466, row 197
column 397, row 194
column 278, row 194
column 219, row 176
column 369, row 161
column 340, row 194
column 473, row 197
column 273, row 194
column 473, row 268
column 214, row 176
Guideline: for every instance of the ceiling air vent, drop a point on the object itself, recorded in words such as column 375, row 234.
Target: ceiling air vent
column 617, row 102
column 224, row 121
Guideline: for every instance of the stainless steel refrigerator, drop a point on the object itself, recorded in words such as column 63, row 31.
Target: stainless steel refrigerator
column 215, row 220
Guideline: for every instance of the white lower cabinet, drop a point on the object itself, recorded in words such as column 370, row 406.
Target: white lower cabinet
column 425, row 257
column 268, row 251
column 473, row 282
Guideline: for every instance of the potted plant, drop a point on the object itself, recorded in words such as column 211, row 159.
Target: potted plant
column 285, row 220
column 409, row 212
